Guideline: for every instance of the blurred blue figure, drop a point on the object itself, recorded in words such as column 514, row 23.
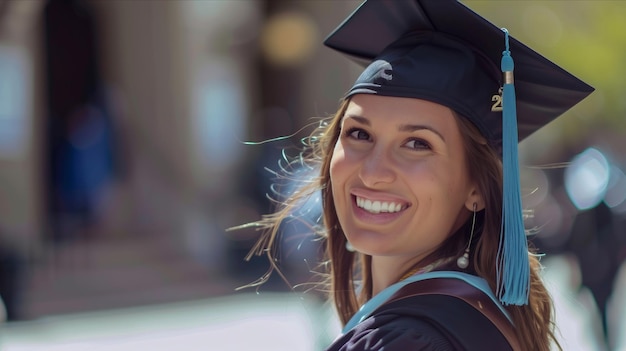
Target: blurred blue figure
column 85, row 163
column 79, row 127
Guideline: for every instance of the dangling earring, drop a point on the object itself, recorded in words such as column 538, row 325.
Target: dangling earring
column 463, row 261
column 349, row 246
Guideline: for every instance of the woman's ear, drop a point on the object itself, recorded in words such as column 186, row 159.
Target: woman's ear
column 474, row 197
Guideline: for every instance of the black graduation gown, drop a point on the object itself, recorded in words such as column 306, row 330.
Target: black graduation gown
column 437, row 314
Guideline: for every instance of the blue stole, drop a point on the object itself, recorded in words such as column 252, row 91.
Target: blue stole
column 370, row 306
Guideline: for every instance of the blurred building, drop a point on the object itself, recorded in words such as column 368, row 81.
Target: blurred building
column 122, row 130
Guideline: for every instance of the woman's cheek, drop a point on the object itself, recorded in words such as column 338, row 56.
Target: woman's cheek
column 337, row 160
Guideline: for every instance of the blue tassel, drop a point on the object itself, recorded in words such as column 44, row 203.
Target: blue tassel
column 512, row 267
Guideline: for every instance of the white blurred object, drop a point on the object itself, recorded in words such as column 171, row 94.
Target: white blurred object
column 617, row 311
column 615, row 197
column 587, row 178
column 273, row 321
column 14, row 100
column 577, row 319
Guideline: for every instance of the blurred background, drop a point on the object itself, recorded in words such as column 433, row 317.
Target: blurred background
column 124, row 155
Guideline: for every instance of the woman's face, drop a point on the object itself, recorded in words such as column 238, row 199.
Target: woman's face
column 399, row 176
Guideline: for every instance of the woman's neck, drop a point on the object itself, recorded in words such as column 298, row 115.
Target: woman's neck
column 387, row 271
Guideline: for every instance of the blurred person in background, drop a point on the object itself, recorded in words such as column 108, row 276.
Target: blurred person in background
column 590, row 236
column 419, row 183
column 80, row 137
column 595, row 244
column 11, row 277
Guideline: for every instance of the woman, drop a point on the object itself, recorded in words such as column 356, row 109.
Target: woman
column 420, row 188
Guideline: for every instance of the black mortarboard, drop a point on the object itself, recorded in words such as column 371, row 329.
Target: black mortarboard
column 441, row 51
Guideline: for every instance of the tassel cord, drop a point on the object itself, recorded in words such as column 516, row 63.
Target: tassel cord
column 513, row 271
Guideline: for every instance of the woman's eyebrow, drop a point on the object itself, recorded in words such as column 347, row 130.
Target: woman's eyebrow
column 409, row 128
column 359, row 119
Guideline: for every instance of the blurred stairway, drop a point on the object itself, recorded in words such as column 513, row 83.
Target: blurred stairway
column 113, row 273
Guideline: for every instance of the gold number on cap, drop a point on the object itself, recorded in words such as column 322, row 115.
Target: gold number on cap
column 497, row 101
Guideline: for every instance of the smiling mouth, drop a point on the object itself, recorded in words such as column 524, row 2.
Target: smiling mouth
column 376, row 207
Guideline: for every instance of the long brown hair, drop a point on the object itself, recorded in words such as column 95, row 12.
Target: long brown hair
column 344, row 269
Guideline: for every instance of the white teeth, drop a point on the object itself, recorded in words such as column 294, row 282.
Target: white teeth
column 378, row 206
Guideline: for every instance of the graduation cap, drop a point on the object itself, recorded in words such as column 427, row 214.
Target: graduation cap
column 441, row 51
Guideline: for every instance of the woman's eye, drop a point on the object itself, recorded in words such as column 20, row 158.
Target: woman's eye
column 417, row 144
column 358, row 134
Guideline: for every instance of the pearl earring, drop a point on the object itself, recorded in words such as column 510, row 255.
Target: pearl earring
column 349, row 246
column 463, row 261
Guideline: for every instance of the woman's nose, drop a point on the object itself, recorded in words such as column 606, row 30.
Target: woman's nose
column 377, row 169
